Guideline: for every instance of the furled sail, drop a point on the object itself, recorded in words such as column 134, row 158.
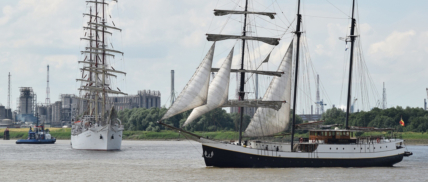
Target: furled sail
column 219, row 37
column 219, row 12
column 196, row 91
column 218, row 91
column 268, row 121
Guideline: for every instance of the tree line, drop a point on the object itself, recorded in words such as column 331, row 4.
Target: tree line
column 141, row 119
column 415, row 119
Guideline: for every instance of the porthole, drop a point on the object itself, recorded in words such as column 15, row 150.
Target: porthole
column 386, row 146
column 380, row 147
column 337, row 148
column 330, row 148
column 374, row 147
column 354, row 148
column 343, row 148
column 361, row 148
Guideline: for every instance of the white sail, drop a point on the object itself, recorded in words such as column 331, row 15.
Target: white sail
column 218, row 91
column 268, row 121
column 196, row 91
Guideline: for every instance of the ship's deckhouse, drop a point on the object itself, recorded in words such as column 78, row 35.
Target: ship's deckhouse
column 331, row 136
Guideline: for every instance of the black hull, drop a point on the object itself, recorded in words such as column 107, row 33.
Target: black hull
column 226, row 158
column 48, row 141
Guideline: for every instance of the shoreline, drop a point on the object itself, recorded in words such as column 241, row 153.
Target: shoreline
column 410, row 138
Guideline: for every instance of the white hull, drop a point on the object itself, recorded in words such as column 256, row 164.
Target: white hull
column 98, row 138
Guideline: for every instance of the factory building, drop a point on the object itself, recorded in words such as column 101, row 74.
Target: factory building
column 66, row 110
column 26, row 105
column 6, row 118
column 144, row 99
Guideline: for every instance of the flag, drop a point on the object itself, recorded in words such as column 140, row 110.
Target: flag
column 402, row 122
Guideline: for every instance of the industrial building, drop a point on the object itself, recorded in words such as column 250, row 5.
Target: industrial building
column 66, row 110
column 6, row 117
column 144, row 99
column 26, row 105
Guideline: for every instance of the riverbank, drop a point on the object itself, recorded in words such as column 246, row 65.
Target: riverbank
column 411, row 138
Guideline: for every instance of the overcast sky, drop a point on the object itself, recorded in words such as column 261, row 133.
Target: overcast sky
column 163, row 35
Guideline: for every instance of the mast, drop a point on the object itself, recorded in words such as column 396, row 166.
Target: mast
column 352, row 36
column 298, row 33
column 241, row 87
column 96, row 63
column 91, row 96
column 104, row 67
column 97, row 86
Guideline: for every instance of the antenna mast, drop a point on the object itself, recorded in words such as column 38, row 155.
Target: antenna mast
column 352, row 36
column 298, row 33
column 48, row 91
column 384, row 97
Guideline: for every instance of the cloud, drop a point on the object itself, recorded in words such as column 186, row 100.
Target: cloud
column 163, row 35
column 396, row 44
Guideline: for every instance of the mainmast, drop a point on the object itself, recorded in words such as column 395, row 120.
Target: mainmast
column 352, row 37
column 242, row 84
column 103, row 21
column 96, row 63
column 99, row 72
column 298, row 33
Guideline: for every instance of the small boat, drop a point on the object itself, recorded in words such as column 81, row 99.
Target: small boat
column 38, row 136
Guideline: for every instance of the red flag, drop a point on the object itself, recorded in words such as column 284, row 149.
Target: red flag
column 402, row 122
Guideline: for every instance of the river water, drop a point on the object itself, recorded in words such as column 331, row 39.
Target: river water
column 174, row 161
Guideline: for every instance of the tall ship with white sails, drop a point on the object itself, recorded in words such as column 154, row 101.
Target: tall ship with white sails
column 97, row 126
column 326, row 146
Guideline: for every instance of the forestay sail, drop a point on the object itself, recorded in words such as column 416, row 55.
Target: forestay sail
column 196, row 91
column 218, row 91
column 268, row 121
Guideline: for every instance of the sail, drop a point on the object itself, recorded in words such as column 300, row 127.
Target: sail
column 218, row 91
column 196, row 91
column 267, row 121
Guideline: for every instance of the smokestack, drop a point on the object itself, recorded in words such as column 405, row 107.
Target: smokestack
column 312, row 109
column 425, row 104
column 172, row 88
column 8, row 92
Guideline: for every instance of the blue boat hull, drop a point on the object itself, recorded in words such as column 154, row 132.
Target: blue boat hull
column 36, row 141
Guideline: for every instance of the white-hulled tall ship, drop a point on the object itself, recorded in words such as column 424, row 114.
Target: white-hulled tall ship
column 325, row 147
column 97, row 126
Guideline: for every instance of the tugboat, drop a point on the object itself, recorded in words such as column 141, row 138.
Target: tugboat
column 40, row 135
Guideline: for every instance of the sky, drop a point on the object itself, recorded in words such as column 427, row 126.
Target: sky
column 163, row 35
